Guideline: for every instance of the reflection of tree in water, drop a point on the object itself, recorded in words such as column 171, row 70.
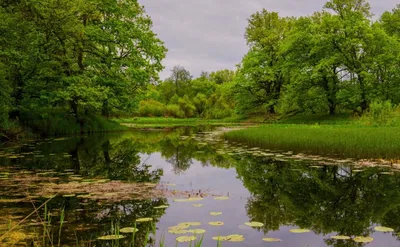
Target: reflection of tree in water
column 326, row 200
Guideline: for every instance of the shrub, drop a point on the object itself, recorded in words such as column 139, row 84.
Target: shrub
column 149, row 108
column 187, row 107
column 382, row 113
column 174, row 111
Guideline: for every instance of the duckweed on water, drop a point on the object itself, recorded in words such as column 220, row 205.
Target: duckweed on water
column 197, row 205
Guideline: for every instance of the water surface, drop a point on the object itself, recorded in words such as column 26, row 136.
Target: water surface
column 280, row 189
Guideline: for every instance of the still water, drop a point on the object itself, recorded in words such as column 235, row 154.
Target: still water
column 97, row 185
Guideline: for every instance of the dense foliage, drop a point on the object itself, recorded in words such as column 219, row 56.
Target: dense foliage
column 80, row 57
column 208, row 96
column 337, row 59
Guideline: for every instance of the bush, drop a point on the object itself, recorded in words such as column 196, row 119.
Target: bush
column 187, row 107
column 151, row 108
column 174, row 111
column 382, row 113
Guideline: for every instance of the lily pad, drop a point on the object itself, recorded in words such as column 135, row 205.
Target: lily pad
column 178, row 231
column 193, row 199
column 128, row 230
column 161, row 207
column 197, row 205
column 299, row 230
column 180, row 227
column 271, row 239
column 383, row 229
column 215, row 213
column 189, row 224
column 70, row 195
column 339, row 237
column 221, row 198
column 111, row 237
column 197, row 231
column 216, row 223
column 230, row 238
column 361, row 239
column 144, row 219
column 183, row 239
column 254, row 224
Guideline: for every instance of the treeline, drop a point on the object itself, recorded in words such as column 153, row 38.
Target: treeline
column 208, row 96
column 338, row 59
column 73, row 57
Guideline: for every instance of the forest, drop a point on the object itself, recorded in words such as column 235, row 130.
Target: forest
column 73, row 64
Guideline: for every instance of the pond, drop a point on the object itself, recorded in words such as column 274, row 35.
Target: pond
column 78, row 191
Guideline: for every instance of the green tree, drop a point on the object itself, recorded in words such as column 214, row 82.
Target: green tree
column 260, row 77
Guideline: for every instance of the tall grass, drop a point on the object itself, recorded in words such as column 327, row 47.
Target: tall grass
column 353, row 141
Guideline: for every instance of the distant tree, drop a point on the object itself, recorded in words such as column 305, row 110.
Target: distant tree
column 181, row 78
column 222, row 76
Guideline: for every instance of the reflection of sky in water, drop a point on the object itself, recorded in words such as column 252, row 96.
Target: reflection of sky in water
column 224, row 181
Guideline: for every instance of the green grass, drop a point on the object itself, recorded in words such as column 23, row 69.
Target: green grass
column 353, row 141
column 160, row 122
column 343, row 118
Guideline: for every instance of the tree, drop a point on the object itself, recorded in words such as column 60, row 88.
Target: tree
column 181, row 78
column 82, row 56
column 222, row 76
column 260, row 74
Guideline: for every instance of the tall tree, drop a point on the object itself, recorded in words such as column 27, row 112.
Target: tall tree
column 260, row 75
column 181, row 78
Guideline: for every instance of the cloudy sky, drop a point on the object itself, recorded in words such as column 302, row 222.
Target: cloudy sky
column 209, row 34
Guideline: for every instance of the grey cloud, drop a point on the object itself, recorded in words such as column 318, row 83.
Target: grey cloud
column 209, row 34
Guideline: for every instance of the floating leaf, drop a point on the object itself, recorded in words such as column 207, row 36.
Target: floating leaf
column 216, row 223
column 361, row 239
column 215, row 213
column 299, row 230
column 183, row 239
column 111, row 237
column 383, row 229
column 341, row 237
column 254, row 224
column 181, row 200
column 128, row 230
column 193, row 199
column 189, row 224
column 230, row 238
column 197, row 205
column 180, row 227
column 178, row 231
column 197, row 231
column 221, row 198
column 272, row 239
column 144, row 219
column 161, row 207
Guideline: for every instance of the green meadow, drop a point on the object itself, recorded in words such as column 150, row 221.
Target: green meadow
column 352, row 141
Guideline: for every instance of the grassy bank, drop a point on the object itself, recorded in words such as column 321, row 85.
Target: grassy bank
column 161, row 122
column 355, row 141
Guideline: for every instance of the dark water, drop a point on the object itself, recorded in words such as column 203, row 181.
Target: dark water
column 274, row 188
